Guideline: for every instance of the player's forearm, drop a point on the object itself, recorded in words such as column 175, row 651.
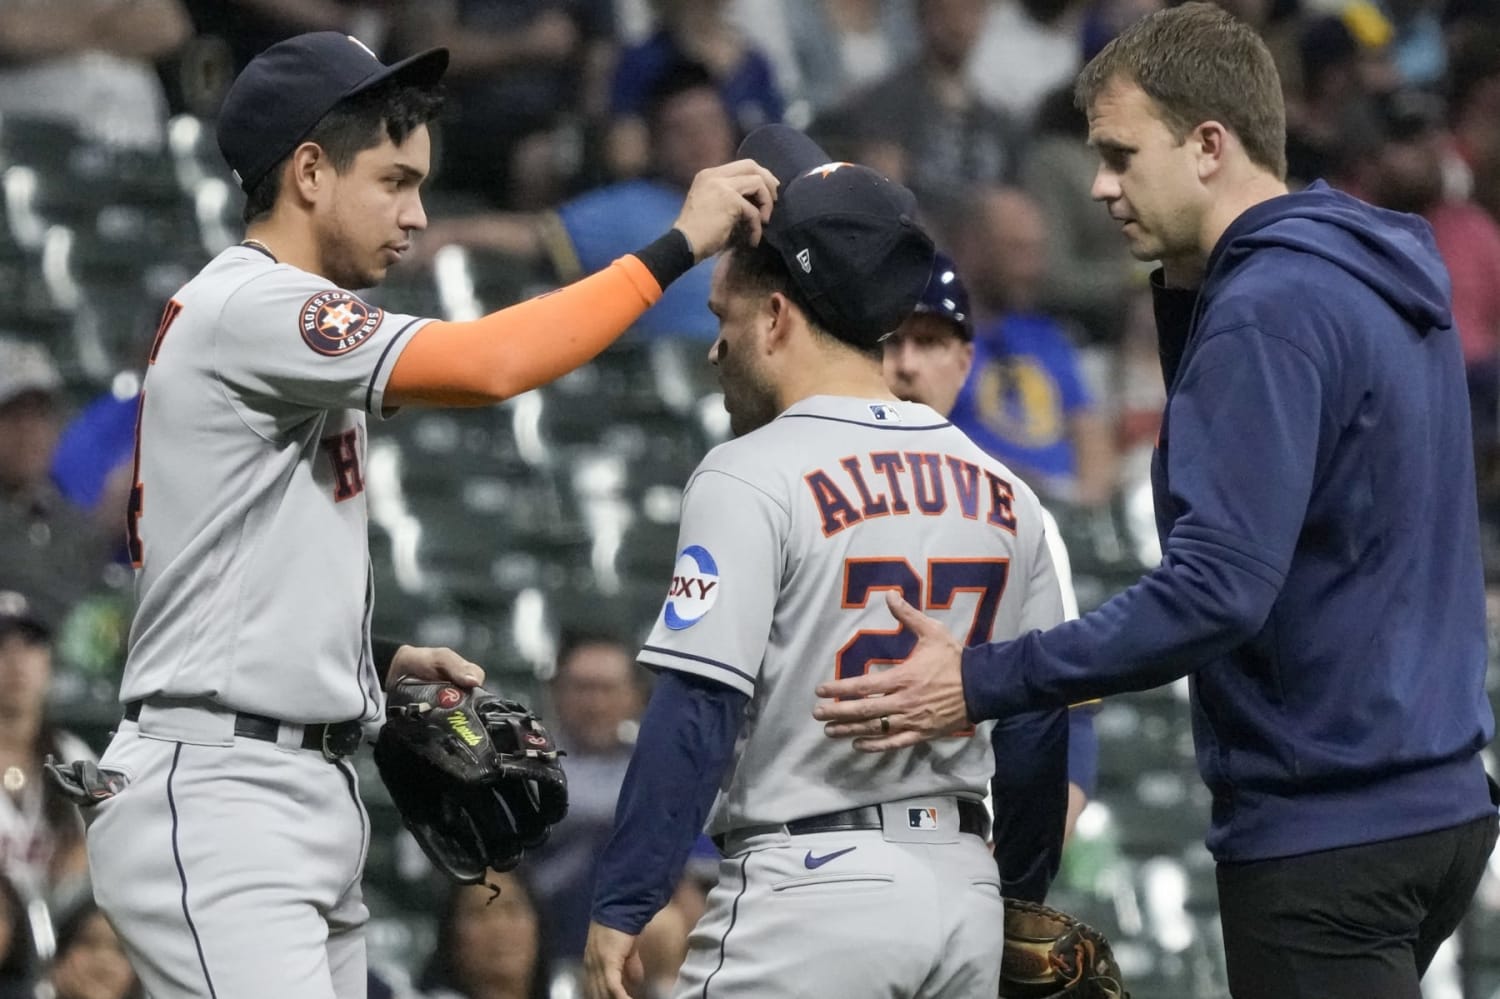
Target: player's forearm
column 1201, row 602
column 686, row 744
column 517, row 349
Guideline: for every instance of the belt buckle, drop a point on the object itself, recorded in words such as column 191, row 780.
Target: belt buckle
column 340, row 739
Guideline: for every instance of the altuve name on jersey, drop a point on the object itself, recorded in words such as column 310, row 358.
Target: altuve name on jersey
column 886, row 483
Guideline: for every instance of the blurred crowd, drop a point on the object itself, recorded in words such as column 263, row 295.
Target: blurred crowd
column 573, row 130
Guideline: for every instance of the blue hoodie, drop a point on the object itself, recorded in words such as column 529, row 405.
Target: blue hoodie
column 1320, row 579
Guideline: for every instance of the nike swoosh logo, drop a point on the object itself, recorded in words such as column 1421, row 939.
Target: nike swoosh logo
column 813, row 863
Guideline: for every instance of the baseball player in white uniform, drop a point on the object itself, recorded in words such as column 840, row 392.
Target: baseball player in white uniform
column 226, row 836
column 845, row 874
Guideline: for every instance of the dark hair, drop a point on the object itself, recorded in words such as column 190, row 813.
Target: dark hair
column 353, row 126
column 1198, row 63
column 571, row 640
column 440, row 971
column 679, row 77
column 760, row 269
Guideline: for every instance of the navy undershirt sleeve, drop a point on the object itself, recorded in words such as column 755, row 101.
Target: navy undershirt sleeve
column 1029, row 793
column 686, row 745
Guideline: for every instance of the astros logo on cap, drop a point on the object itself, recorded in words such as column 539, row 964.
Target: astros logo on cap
column 827, row 168
column 335, row 322
column 695, row 588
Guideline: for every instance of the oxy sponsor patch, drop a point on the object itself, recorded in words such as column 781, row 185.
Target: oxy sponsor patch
column 334, row 322
column 694, row 590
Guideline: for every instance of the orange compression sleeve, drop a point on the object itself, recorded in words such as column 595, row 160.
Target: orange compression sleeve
column 531, row 343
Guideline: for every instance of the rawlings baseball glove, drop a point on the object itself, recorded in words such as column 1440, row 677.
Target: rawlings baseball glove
column 475, row 777
column 1049, row 954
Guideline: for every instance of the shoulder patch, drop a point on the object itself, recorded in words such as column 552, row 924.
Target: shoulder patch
column 695, row 588
column 334, row 322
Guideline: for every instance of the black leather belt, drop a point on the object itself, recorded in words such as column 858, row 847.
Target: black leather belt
column 334, row 740
column 972, row 819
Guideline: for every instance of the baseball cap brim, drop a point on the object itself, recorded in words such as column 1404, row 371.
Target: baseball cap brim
column 421, row 70
column 784, row 151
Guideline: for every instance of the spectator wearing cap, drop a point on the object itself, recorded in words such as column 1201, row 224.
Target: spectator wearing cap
column 691, row 130
column 49, row 548
column 41, row 835
column 1026, row 401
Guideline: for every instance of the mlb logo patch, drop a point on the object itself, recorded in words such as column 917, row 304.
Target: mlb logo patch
column 921, row 818
column 884, row 413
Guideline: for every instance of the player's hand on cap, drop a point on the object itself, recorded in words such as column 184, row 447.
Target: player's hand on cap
column 723, row 198
column 922, row 698
column 433, row 664
column 610, row 964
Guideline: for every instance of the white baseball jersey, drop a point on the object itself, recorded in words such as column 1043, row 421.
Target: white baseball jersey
column 248, row 516
column 790, row 535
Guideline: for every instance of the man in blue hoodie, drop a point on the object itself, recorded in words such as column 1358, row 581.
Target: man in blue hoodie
column 1320, row 580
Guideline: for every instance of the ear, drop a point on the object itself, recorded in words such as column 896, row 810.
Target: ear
column 966, row 349
column 1211, row 143
column 778, row 310
column 310, row 172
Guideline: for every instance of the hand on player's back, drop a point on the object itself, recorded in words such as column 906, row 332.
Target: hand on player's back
column 723, row 198
column 919, row 699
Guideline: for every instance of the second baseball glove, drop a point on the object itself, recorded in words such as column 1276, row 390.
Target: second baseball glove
column 1049, row 955
column 476, row 778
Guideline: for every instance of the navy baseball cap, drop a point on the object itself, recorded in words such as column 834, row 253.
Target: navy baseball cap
column 849, row 237
column 286, row 90
column 946, row 297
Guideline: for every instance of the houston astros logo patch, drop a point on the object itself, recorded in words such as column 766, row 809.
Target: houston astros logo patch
column 335, row 322
column 695, row 588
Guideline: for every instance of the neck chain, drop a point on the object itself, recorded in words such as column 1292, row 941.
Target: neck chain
column 256, row 244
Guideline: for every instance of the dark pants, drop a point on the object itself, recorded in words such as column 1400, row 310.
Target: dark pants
column 1360, row 922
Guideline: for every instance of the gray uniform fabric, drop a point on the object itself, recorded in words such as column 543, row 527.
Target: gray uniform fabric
column 231, row 865
column 790, row 536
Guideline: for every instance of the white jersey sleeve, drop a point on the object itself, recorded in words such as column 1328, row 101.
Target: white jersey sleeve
column 716, row 620
column 1062, row 563
column 1045, row 606
column 287, row 336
